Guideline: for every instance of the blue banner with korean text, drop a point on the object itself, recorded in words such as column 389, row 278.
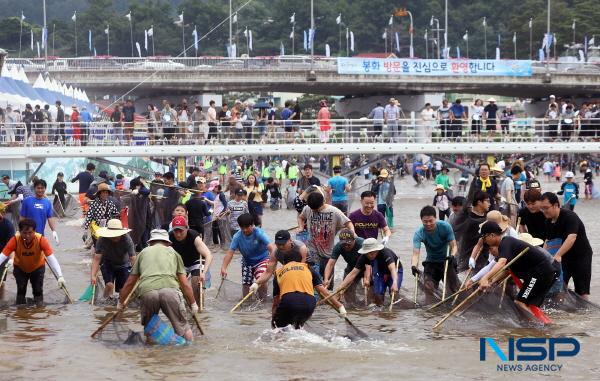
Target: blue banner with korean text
column 451, row 67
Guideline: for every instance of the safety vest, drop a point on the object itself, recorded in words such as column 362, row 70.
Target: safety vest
column 208, row 164
column 222, row 169
column 30, row 258
column 266, row 172
column 279, row 173
column 293, row 172
column 295, row 277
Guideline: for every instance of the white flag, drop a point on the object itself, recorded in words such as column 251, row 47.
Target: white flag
column 292, row 34
column 541, row 55
column 145, row 39
column 95, row 52
column 573, row 26
column 293, row 18
column 22, row 16
column 106, row 31
column 327, row 50
column 281, row 49
column 305, row 42
column 128, row 16
column 466, row 36
column 397, row 42
column 234, row 20
column 137, row 45
column 338, row 20
column 195, row 34
column 38, row 47
column 592, row 41
column 515, row 38
column 44, row 37
column 90, row 40
column 425, row 36
column 151, row 31
column 458, row 52
column 530, row 23
column 484, row 22
column 32, row 39
column 391, row 22
column 384, row 35
column 497, row 52
column 74, row 17
column 352, row 40
column 246, row 32
column 250, row 40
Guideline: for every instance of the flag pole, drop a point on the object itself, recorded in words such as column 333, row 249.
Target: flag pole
column 347, row 45
column 531, row 38
column 485, row 37
column 294, row 37
column 152, row 27
column 131, row 32
column 108, row 39
column 75, row 33
column 21, row 35
column 426, row 45
column 183, row 33
column 45, row 35
column 515, row 44
column 53, row 32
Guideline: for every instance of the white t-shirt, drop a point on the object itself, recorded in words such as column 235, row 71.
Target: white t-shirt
column 428, row 115
column 508, row 185
column 547, row 167
column 477, row 112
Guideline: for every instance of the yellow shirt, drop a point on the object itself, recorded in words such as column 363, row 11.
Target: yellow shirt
column 295, row 277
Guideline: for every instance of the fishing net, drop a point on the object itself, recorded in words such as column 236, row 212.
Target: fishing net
column 124, row 329
column 217, row 232
column 139, row 218
column 164, row 198
column 70, row 208
column 13, row 213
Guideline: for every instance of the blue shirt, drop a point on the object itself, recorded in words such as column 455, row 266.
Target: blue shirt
column 571, row 191
column 38, row 210
column 338, row 188
column 436, row 242
column 285, row 115
column 253, row 247
column 457, row 110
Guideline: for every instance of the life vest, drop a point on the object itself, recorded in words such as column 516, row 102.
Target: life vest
column 295, row 277
column 30, row 258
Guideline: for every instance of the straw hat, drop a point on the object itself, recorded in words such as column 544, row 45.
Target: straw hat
column 383, row 173
column 491, row 100
column 439, row 187
column 103, row 187
column 114, row 228
column 159, row 235
column 497, row 217
column 369, row 245
column 528, row 238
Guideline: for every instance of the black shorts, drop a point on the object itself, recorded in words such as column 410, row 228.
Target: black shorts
column 288, row 128
column 434, row 272
column 536, row 287
column 581, row 272
column 295, row 308
column 115, row 274
column 490, row 125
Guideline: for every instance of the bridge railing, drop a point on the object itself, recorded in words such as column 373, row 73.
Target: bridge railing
column 106, row 133
column 106, row 63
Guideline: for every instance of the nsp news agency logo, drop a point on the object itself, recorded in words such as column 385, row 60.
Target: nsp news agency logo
column 530, row 354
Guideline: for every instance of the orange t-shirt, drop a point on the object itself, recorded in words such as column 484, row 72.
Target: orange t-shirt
column 28, row 258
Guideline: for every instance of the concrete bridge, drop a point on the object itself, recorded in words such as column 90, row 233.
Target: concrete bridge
column 197, row 75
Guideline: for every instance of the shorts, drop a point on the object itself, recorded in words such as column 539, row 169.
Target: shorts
column 490, row 125
column 115, row 274
column 434, row 272
column 536, row 287
column 251, row 273
column 580, row 270
column 295, row 308
column 287, row 128
column 383, row 282
column 170, row 302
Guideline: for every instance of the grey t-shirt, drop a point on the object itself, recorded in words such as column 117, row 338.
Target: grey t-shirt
column 116, row 253
column 237, row 208
column 322, row 228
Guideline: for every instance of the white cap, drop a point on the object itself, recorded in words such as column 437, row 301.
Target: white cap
column 552, row 96
column 569, row 175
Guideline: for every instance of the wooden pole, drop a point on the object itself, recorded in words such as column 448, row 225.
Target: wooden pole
column 219, row 289
column 62, row 287
column 331, row 295
column 446, row 272
column 241, row 301
column 467, row 277
column 118, row 312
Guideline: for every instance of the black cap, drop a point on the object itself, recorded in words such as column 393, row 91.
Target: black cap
column 337, row 169
column 239, row 192
column 489, row 227
column 60, row 174
column 282, row 237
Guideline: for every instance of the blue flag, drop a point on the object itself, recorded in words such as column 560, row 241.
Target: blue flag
column 90, row 40
column 305, row 41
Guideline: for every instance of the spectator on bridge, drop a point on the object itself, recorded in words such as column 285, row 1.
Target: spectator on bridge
column 38, row 123
column 211, row 117
column 428, row 117
column 391, row 116
column 297, row 117
column 75, row 125
column 168, row 116
column 117, row 119
column 457, row 115
column 225, row 120
column 505, row 117
column 60, row 120
column 476, row 117
column 28, row 120
column 86, row 118
column 10, row 126
column 286, row 114
column 128, row 119
column 271, row 113
column 236, row 121
column 491, row 113
column 154, row 133
column 324, row 120
column 552, row 118
column 248, row 121
column 261, row 124
column 183, row 117
column 199, row 128
column 567, row 122
column 47, row 117
column 377, row 115
column 444, row 118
